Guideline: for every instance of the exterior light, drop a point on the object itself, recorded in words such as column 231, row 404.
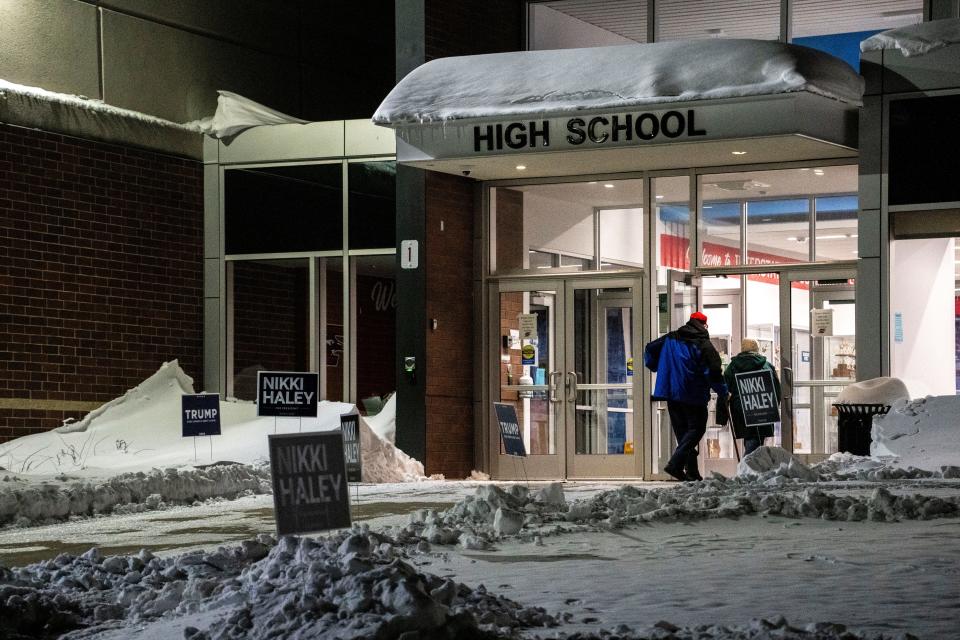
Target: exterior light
column 608, row 186
column 739, row 153
column 521, row 167
column 659, row 197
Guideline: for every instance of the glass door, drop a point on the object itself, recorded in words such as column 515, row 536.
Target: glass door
column 571, row 380
column 527, row 372
column 820, row 360
column 602, row 326
column 680, row 300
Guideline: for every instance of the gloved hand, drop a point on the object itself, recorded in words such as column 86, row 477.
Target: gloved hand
column 723, row 411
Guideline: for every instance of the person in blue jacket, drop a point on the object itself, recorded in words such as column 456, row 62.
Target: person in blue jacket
column 687, row 367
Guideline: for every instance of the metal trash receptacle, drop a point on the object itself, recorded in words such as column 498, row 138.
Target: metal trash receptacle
column 854, row 422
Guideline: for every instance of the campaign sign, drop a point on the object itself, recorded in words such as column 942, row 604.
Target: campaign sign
column 287, row 395
column 509, row 429
column 200, row 415
column 350, row 427
column 309, row 482
column 758, row 397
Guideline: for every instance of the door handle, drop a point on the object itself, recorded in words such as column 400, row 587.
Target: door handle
column 571, row 384
column 555, row 385
column 788, row 375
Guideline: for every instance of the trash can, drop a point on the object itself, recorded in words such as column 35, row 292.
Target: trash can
column 854, row 422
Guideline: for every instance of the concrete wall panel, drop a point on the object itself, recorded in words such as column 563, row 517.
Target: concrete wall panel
column 50, row 44
column 259, row 24
column 174, row 74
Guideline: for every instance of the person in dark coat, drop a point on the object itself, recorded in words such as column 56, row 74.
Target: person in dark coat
column 687, row 367
column 749, row 359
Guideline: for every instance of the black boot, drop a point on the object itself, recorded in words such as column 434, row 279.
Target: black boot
column 676, row 472
column 693, row 473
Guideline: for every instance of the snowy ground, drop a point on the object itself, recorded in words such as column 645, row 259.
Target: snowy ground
column 104, row 545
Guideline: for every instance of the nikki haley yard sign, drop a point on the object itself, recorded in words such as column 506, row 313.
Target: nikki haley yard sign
column 287, row 394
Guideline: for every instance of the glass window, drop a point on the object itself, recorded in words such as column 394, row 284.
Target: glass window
column 565, row 24
column 283, row 209
column 372, row 203
column 928, row 124
column 375, row 315
column 778, row 231
column 777, row 207
column 331, row 328
column 839, row 27
column 698, row 19
column 621, row 238
column 268, row 294
column 546, row 226
column 836, row 227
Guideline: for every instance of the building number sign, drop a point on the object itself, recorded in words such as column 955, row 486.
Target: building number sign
column 409, row 254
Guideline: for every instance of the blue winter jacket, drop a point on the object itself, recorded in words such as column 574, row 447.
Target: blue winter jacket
column 687, row 365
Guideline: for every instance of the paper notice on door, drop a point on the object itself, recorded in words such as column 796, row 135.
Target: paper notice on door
column 822, row 322
column 528, row 326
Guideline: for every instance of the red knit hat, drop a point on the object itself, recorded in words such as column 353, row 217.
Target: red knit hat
column 696, row 315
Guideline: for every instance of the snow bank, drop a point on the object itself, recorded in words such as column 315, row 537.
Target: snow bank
column 923, row 433
column 351, row 585
column 141, row 430
column 560, row 81
column 24, row 502
column 875, row 391
column 916, row 39
column 115, row 454
column 236, row 114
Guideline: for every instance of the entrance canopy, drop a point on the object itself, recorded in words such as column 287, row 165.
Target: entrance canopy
column 626, row 108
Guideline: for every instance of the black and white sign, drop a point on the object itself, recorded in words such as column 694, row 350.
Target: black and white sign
column 309, row 482
column 200, row 415
column 758, row 397
column 350, row 426
column 287, row 394
column 510, row 429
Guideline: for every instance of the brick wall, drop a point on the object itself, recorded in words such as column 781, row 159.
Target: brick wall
column 453, row 29
column 101, row 276
column 450, row 366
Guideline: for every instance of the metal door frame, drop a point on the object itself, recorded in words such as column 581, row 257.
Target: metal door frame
column 562, row 464
column 787, row 277
column 595, row 466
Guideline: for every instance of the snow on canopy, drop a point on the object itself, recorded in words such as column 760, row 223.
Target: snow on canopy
column 566, row 80
column 916, row 39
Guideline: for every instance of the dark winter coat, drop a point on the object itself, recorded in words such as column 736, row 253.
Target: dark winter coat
column 687, row 365
column 742, row 363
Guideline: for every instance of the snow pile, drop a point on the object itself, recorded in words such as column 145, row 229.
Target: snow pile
column 236, row 114
column 757, row 629
column 493, row 514
column 26, row 502
column 562, row 81
column 876, row 391
column 384, row 423
column 923, row 433
column 916, row 39
column 768, row 462
column 351, row 585
column 142, row 430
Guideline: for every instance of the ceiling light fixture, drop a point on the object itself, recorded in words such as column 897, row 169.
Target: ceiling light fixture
column 521, row 167
column 659, row 197
column 739, row 153
column 608, row 186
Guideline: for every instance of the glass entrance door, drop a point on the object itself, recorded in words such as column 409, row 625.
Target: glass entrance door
column 602, row 425
column 820, row 360
column 572, row 382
